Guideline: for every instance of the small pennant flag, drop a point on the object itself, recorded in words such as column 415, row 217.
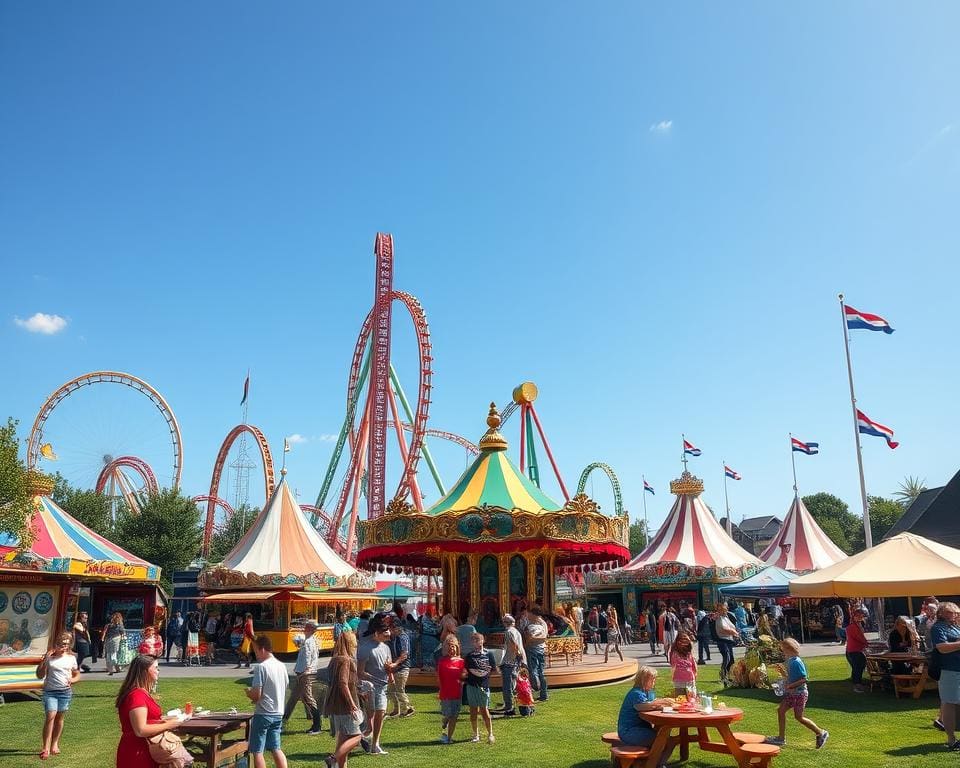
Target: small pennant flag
column 730, row 473
column 46, row 450
column 246, row 389
column 801, row 447
column 690, row 449
column 868, row 427
column 857, row 320
column 648, row 488
column 286, row 445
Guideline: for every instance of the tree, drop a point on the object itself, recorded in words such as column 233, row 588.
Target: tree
column 166, row 532
column 835, row 518
column 639, row 536
column 910, row 488
column 88, row 507
column 884, row 514
column 16, row 504
column 226, row 537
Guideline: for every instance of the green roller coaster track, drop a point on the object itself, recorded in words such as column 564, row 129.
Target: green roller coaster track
column 614, row 481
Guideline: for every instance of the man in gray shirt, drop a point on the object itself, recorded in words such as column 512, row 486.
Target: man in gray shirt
column 513, row 657
column 375, row 664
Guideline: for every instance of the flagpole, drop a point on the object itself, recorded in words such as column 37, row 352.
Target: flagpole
column 726, row 501
column 793, row 461
column 683, row 450
column 646, row 528
column 867, row 534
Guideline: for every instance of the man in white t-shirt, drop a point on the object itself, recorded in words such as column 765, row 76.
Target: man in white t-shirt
column 513, row 657
column 267, row 691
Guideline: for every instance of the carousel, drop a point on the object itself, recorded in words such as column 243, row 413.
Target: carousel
column 687, row 560
column 283, row 573
column 496, row 539
column 67, row 568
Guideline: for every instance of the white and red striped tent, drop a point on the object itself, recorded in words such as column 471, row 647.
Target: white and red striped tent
column 690, row 535
column 801, row 545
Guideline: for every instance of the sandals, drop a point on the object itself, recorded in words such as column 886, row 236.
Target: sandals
column 44, row 754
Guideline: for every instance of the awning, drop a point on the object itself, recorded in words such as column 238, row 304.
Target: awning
column 239, row 597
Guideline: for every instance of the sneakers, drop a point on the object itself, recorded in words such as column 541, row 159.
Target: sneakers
column 393, row 714
column 410, row 711
column 859, row 689
column 490, row 738
column 938, row 724
column 444, row 739
column 509, row 713
column 365, row 743
column 777, row 741
column 312, row 732
column 378, row 750
column 822, row 738
column 476, row 738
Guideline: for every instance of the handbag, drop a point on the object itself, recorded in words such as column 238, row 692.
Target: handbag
column 124, row 654
column 245, row 646
column 167, row 750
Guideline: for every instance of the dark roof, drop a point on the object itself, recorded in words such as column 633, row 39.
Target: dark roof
column 934, row 514
column 758, row 523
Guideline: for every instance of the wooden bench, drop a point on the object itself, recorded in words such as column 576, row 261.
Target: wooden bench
column 759, row 754
column 743, row 737
column 611, row 737
column 629, row 757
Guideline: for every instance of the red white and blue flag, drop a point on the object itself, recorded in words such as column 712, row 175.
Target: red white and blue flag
column 730, row 473
column 808, row 448
column 648, row 488
column 857, row 320
column 868, row 427
column 690, row 449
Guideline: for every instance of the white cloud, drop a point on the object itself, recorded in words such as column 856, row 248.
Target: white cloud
column 327, row 438
column 663, row 126
column 42, row 323
column 296, row 439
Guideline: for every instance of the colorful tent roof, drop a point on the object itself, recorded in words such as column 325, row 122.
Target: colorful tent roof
column 494, row 480
column 58, row 535
column 282, row 541
column 690, row 535
column 770, row 582
column 801, row 545
column 906, row 565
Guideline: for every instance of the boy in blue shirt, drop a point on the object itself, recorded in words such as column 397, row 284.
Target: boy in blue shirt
column 795, row 695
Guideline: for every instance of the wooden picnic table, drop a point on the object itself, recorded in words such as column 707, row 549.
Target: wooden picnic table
column 915, row 683
column 699, row 723
column 203, row 737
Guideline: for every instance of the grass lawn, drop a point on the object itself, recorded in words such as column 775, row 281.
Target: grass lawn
column 865, row 730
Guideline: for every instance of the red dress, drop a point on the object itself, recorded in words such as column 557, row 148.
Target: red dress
column 132, row 751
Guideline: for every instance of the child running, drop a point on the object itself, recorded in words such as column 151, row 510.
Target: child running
column 795, row 695
column 683, row 664
column 451, row 669
column 479, row 664
column 525, row 693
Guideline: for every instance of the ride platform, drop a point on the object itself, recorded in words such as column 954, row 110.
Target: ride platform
column 590, row 671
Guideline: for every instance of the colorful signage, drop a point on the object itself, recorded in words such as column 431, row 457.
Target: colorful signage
column 27, row 618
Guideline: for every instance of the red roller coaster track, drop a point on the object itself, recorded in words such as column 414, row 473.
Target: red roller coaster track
column 217, row 502
column 212, row 496
column 131, row 462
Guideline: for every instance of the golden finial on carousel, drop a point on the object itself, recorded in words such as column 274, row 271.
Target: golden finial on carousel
column 38, row 483
column 686, row 485
column 493, row 440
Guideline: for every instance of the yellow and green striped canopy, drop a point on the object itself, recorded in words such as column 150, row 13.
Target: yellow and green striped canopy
column 494, row 480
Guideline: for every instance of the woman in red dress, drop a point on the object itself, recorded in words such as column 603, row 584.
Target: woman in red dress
column 140, row 715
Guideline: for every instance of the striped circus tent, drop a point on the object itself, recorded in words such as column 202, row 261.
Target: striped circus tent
column 60, row 537
column 494, row 480
column 282, row 541
column 801, row 545
column 691, row 536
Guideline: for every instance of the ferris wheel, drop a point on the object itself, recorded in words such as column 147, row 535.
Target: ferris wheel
column 112, row 432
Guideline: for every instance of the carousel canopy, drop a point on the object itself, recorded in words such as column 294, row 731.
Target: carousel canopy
column 906, row 565
column 801, row 545
column 691, row 535
column 65, row 545
column 282, row 541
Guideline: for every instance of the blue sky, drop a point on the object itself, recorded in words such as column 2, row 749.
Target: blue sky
column 648, row 211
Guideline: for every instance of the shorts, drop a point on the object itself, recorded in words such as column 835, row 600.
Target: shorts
column 637, row 736
column 344, row 725
column 265, row 733
column 949, row 686
column 450, row 707
column 57, row 701
column 795, row 701
column 378, row 700
column 477, row 696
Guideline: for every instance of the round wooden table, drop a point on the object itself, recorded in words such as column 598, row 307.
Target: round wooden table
column 699, row 722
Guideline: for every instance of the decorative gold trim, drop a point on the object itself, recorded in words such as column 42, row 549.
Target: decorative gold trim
column 686, row 485
column 493, row 440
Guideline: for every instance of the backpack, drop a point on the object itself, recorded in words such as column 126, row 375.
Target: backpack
column 713, row 630
column 703, row 627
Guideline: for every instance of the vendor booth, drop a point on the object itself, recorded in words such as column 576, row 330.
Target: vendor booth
column 283, row 573
column 68, row 568
column 689, row 558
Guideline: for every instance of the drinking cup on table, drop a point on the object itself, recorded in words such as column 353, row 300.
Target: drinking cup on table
column 188, row 708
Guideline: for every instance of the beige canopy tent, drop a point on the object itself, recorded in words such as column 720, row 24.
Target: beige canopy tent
column 903, row 566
